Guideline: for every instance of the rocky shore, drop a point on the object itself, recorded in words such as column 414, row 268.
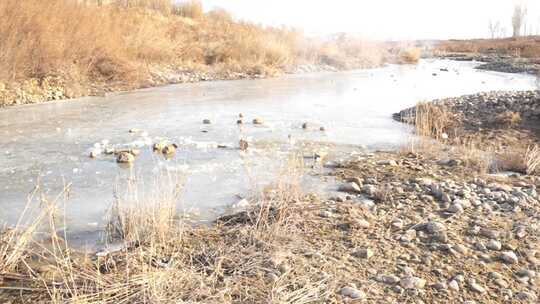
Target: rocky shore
column 409, row 226
column 406, row 228
column 497, row 63
column 497, row 120
column 62, row 87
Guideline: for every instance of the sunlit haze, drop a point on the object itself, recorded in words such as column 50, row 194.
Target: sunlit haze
column 385, row 19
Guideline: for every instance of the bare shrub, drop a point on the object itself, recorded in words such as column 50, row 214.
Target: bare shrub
column 410, row 55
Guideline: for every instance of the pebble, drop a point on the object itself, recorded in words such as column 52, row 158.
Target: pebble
column 364, row 253
column 390, row 279
column 475, row 286
column 411, row 282
column 494, row 245
column 369, row 190
column 453, row 285
column 207, row 121
column 258, row 121
column 351, row 187
column 455, row 208
column 361, row 223
column 489, row 233
column 352, row 293
column 509, row 257
column 435, row 227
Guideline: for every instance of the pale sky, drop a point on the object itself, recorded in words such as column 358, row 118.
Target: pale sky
column 385, row 19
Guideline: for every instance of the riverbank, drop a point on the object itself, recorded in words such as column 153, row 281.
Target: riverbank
column 411, row 227
column 90, row 50
column 507, row 55
column 497, row 63
column 426, row 224
column 504, row 124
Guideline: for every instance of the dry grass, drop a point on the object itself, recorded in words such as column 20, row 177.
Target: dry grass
column 521, row 160
column 433, row 120
column 83, row 43
column 508, row 119
column 119, row 43
column 163, row 260
column 190, row 9
column 410, row 55
column 527, row 47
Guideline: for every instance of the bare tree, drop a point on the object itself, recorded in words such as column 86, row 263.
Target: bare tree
column 495, row 29
column 518, row 19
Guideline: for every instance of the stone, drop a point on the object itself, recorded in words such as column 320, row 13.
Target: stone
column 453, row 285
column 168, row 149
column 397, row 224
column 258, row 121
column 509, row 257
column 361, row 223
column 364, row 253
column 370, row 190
column 461, row 249
column 95, row 153
column 243, row 145
column 207, row 121
column 390, row 279
column 526, row 296
column 489, row 233
column 435, row 227
column 390, row 162
column 411, row 282
column 243, row 203
column 494, row 245
column 455, row 208
column 352, row 293
column 476, row 287
column 125, row 158
column 350, row 187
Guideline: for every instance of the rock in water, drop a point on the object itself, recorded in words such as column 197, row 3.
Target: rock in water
column 243, row 145
column 158, row 147
column 170, row 149
column 125, row 158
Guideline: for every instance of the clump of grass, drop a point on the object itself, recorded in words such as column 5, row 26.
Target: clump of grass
column 525, row 161
column 508, row 119
column 410, row 55
column 433, row 120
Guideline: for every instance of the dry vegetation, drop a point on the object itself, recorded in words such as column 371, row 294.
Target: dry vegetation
column 164, row 260
column 77, row 46
column 527, row 47
column 410, row 55
column 436, row 121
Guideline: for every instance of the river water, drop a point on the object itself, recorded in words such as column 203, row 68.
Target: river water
column 48, row 144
